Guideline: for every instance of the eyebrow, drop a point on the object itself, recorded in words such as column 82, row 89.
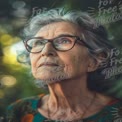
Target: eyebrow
column 67, row 34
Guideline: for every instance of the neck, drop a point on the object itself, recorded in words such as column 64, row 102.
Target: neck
column 72, row 100
column 69, row 94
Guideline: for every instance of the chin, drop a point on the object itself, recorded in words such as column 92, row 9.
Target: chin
column 42, row 81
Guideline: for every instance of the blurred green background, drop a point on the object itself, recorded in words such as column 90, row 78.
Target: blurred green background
column 15, row 78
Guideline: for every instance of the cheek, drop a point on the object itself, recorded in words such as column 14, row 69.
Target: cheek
column 33, row 59
column 71, row 63
column 77, row 64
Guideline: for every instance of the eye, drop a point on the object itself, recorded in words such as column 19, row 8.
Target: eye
column 36, row 42
column 63, row 40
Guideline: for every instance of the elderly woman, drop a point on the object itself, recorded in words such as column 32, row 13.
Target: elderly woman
column 65, row 48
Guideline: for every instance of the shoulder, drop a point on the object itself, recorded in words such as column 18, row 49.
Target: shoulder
column 29, row 101
column 116, row 102
column 112, row 111
column 23, row 107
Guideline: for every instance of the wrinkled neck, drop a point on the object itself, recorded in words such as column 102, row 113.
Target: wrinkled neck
column 69, row 94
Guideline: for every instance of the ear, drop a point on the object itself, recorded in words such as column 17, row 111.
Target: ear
column 93, row 65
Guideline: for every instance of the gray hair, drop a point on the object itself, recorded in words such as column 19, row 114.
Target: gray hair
column 93, row 34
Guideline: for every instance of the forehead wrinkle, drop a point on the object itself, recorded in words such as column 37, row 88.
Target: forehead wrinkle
column 45, row 31
column 55, row 29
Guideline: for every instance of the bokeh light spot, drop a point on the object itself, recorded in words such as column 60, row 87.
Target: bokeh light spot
column 6, row 39
column 8, row 80
column 18, row 4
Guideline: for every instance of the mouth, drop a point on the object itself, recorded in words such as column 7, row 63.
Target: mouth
column 48, row 64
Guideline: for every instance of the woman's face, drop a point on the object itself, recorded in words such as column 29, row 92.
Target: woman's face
column 51, row 65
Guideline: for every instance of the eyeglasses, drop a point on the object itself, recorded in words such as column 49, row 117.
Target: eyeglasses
column 60, row 43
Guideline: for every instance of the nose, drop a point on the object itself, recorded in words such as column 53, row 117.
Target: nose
column 48, row 50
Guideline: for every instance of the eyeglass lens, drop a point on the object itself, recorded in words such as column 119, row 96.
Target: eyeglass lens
column 60, row 43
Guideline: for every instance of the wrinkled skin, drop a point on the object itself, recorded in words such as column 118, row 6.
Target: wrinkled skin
column 71, row 64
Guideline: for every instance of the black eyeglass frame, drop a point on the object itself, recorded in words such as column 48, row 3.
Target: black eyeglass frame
column 77, row 40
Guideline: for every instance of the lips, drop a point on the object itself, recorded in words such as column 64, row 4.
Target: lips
column 48, row 64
